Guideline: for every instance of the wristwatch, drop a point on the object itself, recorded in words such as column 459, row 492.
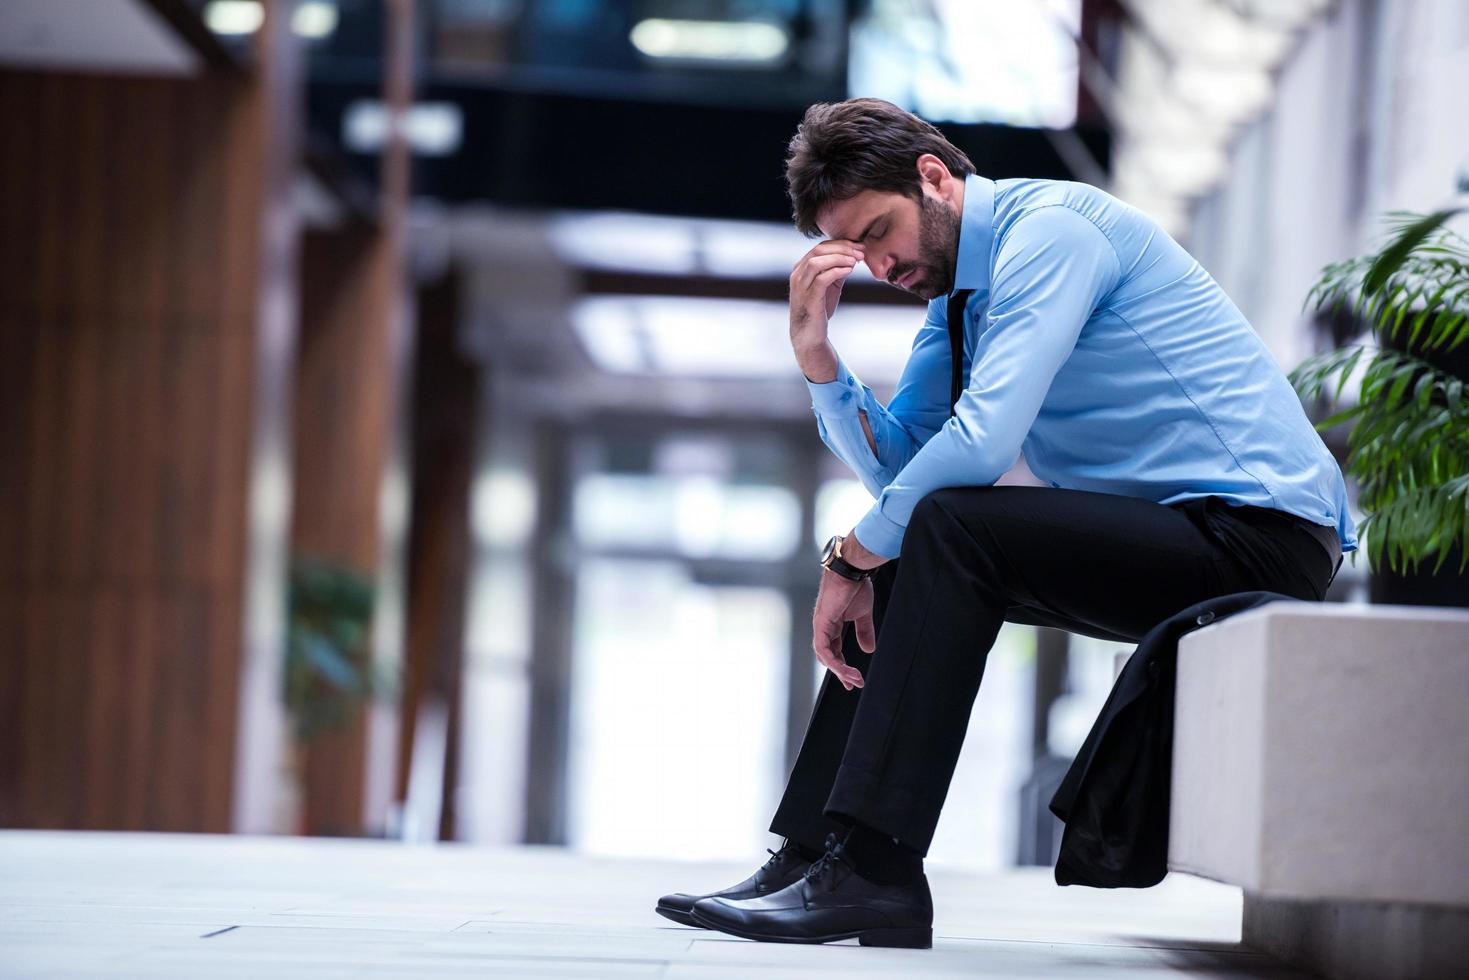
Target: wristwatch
column 831, row 558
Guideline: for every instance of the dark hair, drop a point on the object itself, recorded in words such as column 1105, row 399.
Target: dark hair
column 843, row 148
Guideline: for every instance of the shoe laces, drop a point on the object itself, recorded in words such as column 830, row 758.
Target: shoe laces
column 778, row 855
column 825, row 868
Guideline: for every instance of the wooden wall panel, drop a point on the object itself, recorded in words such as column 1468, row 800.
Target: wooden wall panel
column 130, row 242
column 348, row 389
column 344, row 396
column 355, row 340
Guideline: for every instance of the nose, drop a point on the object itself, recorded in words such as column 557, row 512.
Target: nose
column 879, row 265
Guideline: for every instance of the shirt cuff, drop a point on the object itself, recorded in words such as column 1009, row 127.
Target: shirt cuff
column 879, row 535
column 839, row 398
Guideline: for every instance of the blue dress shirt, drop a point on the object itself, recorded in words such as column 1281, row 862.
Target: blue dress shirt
column 1099, row 349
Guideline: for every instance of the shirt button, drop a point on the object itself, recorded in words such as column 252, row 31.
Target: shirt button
column 1205, row 619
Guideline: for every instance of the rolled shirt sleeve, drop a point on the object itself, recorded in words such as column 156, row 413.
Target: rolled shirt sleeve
column 1054, row 268
column 838, row 405
column 919, row 406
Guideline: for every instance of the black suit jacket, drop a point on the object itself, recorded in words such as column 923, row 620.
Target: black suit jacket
column 1114, row 799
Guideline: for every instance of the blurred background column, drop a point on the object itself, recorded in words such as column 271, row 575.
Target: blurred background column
column 351, row 479
column 147, row 330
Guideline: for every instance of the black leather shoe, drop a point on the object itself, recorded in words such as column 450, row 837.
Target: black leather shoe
column 830, row 902
column 785, row 866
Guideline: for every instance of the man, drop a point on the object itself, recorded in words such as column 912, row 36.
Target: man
column 1062, row 325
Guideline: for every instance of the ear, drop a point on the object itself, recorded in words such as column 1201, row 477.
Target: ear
column 933, row 172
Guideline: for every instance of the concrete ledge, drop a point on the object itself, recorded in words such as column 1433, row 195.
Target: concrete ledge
column 1321, row 762
column 1321, row 751
column 1361, row 940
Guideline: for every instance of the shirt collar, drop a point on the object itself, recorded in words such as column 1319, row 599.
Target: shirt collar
column 976, row 230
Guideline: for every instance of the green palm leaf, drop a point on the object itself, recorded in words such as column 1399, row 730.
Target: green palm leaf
column 1408, row 447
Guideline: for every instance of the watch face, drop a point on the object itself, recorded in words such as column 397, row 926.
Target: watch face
column 831, row 547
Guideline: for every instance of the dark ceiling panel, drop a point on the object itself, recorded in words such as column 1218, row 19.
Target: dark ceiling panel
column 544, row 150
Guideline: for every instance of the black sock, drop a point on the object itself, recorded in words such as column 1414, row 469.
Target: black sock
column 880, row 859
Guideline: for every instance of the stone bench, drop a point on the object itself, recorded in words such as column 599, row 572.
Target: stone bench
column 1321, row 763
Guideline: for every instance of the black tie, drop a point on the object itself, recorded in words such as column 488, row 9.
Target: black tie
column 956, row 344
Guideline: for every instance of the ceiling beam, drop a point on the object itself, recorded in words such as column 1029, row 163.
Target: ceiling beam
column 190, row 27
column 606, row 282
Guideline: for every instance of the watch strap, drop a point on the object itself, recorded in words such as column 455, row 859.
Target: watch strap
column 836, row 563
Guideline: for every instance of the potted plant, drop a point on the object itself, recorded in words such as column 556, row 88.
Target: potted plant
column 329, row 672
column 1408, row 447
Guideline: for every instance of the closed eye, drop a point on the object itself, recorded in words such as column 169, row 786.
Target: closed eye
column 869, row 232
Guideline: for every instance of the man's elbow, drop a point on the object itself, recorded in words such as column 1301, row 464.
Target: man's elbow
column 984, row 466
column 982, row 457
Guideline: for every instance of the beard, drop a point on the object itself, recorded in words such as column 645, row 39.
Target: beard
column 938, row 246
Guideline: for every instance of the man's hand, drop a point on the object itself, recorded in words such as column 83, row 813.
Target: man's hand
column 816, row 288
column 839, row 601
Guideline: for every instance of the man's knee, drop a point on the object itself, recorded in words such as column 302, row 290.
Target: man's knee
column 942, row 506
column 939, row 508
column 972, row 513
column 951, row 525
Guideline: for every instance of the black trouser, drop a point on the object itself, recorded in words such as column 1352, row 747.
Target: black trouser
column 975, row 557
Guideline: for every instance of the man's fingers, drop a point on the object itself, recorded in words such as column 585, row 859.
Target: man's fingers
column 808, row 271
column 814, row 262
column 827, row 617
column 821, row 639
column 830, row 276
column 821, row 656
column 828, row 649
column 835, row 246
column 866, row 633
column 849, row 676
column 819, row 262
column 825, row 658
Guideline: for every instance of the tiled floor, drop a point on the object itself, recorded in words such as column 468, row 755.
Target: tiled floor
column 152, row 905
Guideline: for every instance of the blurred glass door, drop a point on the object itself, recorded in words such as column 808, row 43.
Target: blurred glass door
column 681, row 645
column 677, row 713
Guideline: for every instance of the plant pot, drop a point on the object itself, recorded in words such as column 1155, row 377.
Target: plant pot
column 1447, row 587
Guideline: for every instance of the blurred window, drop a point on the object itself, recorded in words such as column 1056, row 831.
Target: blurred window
column 681, row 642
column 693, row 516
column 971, row 60
column 840, row 504
column 678, row 713
column 733, row 338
